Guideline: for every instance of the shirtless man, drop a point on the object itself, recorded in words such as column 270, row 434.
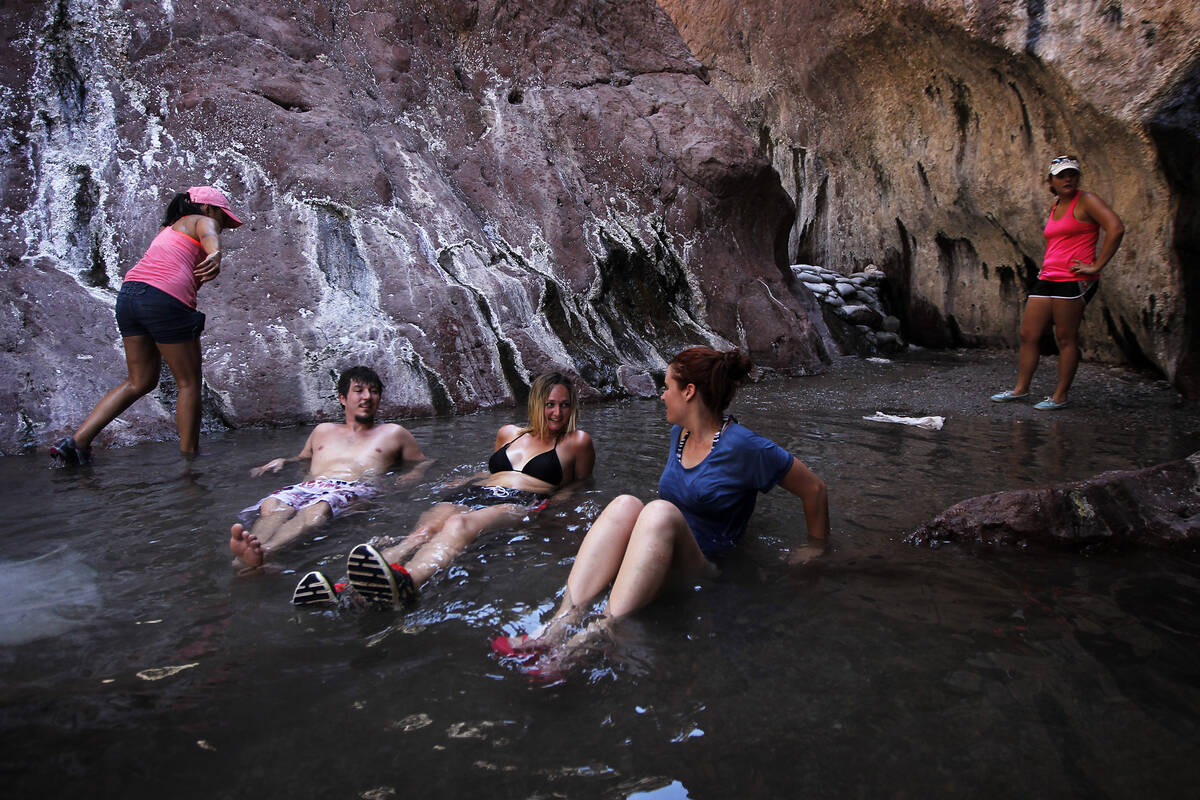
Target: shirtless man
column 341, row 456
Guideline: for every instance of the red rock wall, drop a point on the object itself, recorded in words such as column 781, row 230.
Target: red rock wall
column 460, row 194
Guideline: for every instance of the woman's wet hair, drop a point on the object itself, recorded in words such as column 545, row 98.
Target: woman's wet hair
column 180, row 207
column 539, row 393
column 716, row 374
column 364, row 375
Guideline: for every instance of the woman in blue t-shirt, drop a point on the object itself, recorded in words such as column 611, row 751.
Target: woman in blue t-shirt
column 714, row 472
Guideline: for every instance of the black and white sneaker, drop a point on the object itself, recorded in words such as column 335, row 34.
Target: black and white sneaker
column 314, row 589
column 378, row 581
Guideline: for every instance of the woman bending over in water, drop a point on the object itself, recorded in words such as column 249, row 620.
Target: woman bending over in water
column 529, row 465
column 715, row 469
column 158, row 320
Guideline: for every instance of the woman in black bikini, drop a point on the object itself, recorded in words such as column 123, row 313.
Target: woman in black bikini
column 529, row 465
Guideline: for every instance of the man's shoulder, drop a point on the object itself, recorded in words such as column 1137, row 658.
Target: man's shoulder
column 393, row 432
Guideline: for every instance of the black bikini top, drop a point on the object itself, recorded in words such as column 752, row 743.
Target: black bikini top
column 544, row 466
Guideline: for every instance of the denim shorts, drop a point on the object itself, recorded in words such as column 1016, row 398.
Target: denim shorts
column 143, row 310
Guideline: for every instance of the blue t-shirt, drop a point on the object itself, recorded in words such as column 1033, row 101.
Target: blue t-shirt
column 717, row 495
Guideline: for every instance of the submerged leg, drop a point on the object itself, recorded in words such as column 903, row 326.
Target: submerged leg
column 277, row 524
column 427, row 526
column 596, row 565
column 457, row 532
column 184, row 360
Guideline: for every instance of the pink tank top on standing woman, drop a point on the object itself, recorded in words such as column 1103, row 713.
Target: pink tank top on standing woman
column 168, row 265
column 1068, row 240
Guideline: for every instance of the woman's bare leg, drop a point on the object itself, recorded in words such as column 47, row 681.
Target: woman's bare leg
column 142, row 360
column 1038, row 313
column 457, row 532
column 596, row 565
column 602, row 551
column 428, row 525
column 636, row 548
column 661, row 545
column 1067, row 316
column 184, row 360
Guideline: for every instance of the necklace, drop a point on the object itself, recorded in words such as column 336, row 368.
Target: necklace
column 683, row 437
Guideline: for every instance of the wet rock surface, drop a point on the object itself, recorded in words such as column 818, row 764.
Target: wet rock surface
column 459, row 194
column 1154, row 507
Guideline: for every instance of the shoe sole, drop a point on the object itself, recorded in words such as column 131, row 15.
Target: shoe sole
column 314, row 589
column 371, row 576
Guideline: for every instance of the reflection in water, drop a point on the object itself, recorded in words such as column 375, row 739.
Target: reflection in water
column 31, row 612
column 881, row 670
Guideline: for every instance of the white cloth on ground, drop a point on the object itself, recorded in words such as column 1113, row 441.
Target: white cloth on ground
column 928, row 423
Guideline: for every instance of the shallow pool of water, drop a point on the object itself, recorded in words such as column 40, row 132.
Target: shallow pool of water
column 135, row 664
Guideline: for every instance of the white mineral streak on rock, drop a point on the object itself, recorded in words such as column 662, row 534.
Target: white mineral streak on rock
column 76, row 142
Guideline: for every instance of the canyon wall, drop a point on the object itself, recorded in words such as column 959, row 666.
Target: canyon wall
column 916, row 134
column 460, row 194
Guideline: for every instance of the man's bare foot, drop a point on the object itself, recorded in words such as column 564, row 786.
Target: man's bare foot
column 245, row 546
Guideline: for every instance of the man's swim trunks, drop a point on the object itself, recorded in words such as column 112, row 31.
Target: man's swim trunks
column 477, row 497
column 340, row 495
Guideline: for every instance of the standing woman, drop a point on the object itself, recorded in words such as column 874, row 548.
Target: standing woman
column 1069, row 278
column 158, row 320
column 715, row 469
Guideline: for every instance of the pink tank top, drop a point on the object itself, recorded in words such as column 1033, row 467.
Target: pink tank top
column 1068, row 240
column 168, row 265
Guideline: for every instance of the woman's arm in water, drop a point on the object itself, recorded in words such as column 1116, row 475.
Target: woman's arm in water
column 804, row 483
column 583, row 454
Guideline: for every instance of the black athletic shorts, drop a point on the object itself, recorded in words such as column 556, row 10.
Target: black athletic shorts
column 1066, row 290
